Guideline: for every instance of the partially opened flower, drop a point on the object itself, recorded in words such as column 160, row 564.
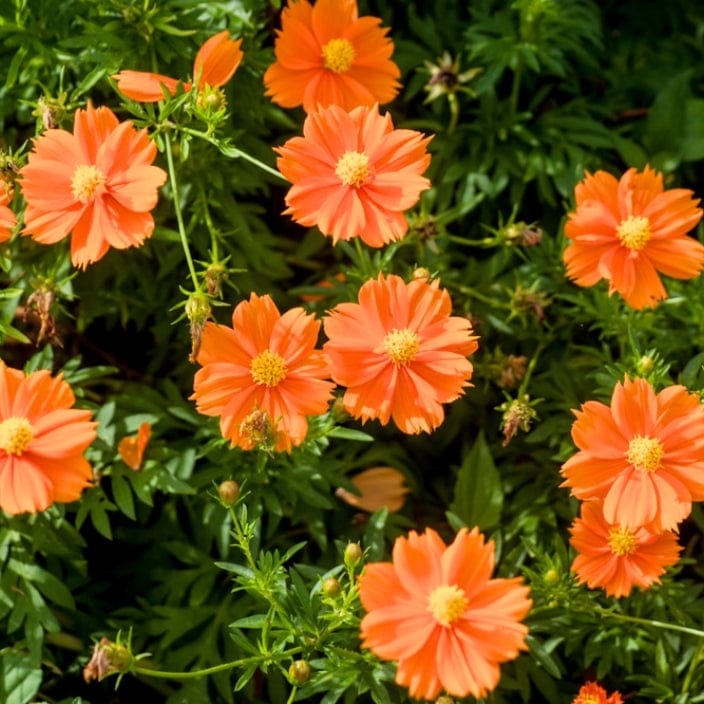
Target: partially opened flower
column 592, row 693
column 354, row 175
column 400, row 352
column 616, row 558
column 627, row 231
column 97, row 184
column 378, row 487
column 42, row 439
column 215, row 63
column 327, row 55
column 263, row 375
column 131, row 448
column 643, row 455
column 436, row 610
column 7, row 217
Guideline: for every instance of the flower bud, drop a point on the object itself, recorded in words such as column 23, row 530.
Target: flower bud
column 331, row 587
column 299, row 671
column 353, row 554
column 229, row 492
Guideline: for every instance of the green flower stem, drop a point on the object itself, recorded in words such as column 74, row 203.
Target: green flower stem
column 454, row 112
column 486, row 242
column 364, row 262
column 696, row 659
column 193, row 674
column 606, row 613
column 232, row 152
column 472, row 293
column 179, row 214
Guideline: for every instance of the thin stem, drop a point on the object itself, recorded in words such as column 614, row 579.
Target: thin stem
column 696, row 659
column 232, row 152
column 454, row 112
column 365, row 263
column 648, row 622
column 179, row 214
column 486, row 242
column 193, row 674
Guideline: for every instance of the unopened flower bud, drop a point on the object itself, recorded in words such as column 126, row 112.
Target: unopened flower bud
column 444, row 699
column 420, row 273
column 299, row 671
column 229, row 492
column 551, row 576
column 353, row 554
column 331, row 587
column 645, row 364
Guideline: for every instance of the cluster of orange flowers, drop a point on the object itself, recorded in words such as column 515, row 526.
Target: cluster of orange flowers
column 639, row 466
column 398, row 351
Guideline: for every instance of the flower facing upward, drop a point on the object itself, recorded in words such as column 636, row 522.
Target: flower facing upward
column 616, row 558
column 97, row 184
column 353, row 174
column 627, row 231
column 215, row 63
column 327, row 55
column 42, row 440
column 437, row 611
column 592, row 693
column 644, row 455
column 262, row 376
column 400, row 352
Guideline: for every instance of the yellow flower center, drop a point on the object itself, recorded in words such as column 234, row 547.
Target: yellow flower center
column 338, row 55
column 353, row 168
column 447, row 603
column 15, row 435
column 634, row 232
column 401, row 345
column 645, row 453
column 622, row 541
column 268, row 368
column 88, row 182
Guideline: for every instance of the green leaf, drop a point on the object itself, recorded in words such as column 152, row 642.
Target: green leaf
column 123, row 495
column 19, row 681
column 478, row 497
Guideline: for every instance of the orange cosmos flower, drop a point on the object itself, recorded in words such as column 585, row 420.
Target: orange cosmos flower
column 262, row 375
column 644, row 455
column 42, row 440
column 627, row 231
column 327, row 55
column 216, row 62
column 97, row 184
column 7, row 217
column 399, row 352
column 353, row 174
column 592, row 693
column 379, row 487
column 616, row 558
column 437, row 611
column 131, row 448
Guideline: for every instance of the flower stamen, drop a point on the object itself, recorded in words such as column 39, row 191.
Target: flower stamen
column 353, row 168
column 634, row 232
column 622, row 541
column 87, row 183
column 447, row 603
column 645, row 453
column 338, row 55
column 401, row 345
column 268, row 368
column 16, row 433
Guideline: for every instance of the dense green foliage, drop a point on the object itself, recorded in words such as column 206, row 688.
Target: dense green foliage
column 561, row 86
